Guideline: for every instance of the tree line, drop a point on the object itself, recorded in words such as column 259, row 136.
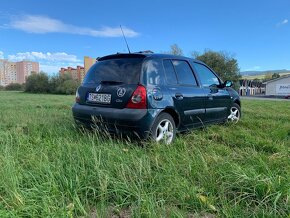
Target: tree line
column 42, row 83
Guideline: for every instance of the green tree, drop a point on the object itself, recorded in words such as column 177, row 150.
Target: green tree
column 267, row 77
column 224, row 64
column 68, row 87
column 275, row 75
column 37, row 83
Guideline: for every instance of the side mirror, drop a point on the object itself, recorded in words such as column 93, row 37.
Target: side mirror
column 228, row 83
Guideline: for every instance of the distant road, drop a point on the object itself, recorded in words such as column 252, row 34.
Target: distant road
column 263, row 98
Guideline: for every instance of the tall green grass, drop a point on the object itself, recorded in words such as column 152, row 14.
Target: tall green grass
column 50, row 169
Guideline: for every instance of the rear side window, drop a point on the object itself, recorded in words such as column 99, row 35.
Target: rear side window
column 184, row 73
column 125, row 70
column 207, row 77
column 154, row 72
column 169, row 72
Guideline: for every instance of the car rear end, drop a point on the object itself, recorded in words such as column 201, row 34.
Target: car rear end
column 113, row 97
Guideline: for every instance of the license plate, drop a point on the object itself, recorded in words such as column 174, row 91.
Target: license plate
column 99, row 98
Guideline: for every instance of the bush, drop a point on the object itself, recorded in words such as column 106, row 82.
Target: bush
column 37, row 83
column 14, row 87
column 68, row 87
column 59, row 84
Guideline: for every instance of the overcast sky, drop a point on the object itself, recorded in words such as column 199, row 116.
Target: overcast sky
column 59, row 33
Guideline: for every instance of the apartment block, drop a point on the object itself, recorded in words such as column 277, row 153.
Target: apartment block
column 77, row 73
column 25, row 69
column 88, row 62
column 16, row 72
column 8, row 73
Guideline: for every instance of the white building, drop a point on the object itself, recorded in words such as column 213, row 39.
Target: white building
column 279, row 86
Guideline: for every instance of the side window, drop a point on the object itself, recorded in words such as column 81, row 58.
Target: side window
column 154, row 72
column 169, row 72
column 184, row 73
column 206, row 76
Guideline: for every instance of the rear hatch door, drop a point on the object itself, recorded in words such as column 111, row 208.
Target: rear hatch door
column 111, row 83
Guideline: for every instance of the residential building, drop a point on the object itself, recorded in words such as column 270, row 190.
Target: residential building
column 25, row 69
column 88, row 62
column 8, row 72
column 251, row 87
column 279, row 86
column 76, row 73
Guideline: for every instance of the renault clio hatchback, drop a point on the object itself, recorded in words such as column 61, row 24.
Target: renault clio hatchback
column 153, row 96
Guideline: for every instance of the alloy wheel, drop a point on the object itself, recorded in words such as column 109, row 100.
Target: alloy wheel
column 234, row 115
column 164, row 131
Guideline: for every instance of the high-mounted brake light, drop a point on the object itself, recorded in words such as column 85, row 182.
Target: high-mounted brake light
column 138, row 99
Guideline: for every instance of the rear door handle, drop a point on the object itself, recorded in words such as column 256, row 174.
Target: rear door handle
column 179, row 96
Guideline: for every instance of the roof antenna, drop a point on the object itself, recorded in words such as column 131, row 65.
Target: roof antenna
column 125, row 40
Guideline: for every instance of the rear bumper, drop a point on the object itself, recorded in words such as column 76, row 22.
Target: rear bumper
column 127, row 121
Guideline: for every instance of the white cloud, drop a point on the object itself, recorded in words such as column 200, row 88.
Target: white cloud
column 38, row 56
column 284, row 22
column 50, row 62
column 1, row 55
column 43, row 24
column 53, row 68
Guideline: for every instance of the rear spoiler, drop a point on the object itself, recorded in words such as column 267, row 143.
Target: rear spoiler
column 119, row 56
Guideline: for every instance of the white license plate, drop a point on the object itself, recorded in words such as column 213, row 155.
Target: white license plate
column 99, row 98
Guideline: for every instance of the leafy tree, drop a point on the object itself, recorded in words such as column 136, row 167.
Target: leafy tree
column 59, row 84
column 14, row 86
column 68, row 87
column 224, row 64
column 56, row 82
column 175, row 50
column 267, row 77
column 275, row 75
column 37, row 83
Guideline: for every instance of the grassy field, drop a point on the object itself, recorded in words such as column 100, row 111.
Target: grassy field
column 49, row 169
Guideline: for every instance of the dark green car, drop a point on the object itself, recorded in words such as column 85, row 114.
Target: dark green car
column 153, row 95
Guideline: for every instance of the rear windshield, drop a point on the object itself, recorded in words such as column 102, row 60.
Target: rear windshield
column 125, row 70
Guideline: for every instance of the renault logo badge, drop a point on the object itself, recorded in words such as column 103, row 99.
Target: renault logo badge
column 98, row 88
column 121, row 92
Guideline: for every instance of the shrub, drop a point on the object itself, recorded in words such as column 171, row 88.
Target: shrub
column 37, row 83
column 14, row 86
column 59, row 84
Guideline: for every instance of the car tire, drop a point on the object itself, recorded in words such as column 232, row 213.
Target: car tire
column 163, row 129
column 235, row 113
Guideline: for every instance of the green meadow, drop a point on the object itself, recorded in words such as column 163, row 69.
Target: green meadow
column 48, row 168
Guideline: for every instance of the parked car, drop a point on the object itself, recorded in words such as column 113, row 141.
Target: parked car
column 153, row 95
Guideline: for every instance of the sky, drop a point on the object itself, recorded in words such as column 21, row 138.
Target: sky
column 59, row 33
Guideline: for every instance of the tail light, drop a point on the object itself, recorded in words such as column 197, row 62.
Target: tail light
column 138, row 99
column 77, row 97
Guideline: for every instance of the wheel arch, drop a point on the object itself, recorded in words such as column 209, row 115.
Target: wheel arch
column 174, row 114
column 237, row 101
